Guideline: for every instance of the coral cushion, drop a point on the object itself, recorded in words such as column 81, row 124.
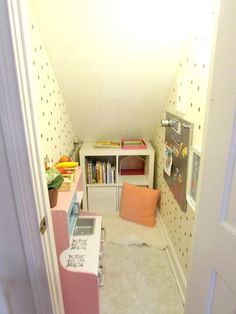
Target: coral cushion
column 138, row 204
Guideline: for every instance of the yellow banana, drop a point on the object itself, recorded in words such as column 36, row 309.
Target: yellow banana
column 67, row 164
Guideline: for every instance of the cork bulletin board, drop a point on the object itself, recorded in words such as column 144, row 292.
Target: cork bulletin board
column 178, row 139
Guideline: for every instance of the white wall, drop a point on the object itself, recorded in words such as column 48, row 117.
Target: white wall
column 115, row 60
column 194, row 69
column 56, row 132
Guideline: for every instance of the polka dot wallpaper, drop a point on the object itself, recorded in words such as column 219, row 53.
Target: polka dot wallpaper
column 194, row 70
column 56, row 131
column 57, row 134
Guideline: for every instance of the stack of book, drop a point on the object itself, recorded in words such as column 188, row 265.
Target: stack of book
column 101, row 172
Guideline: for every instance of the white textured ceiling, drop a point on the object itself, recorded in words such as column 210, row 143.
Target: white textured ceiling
column 115, row 60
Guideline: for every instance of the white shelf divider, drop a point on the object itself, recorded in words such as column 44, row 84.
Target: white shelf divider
column 108, row 194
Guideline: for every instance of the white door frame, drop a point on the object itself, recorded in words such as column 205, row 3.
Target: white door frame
column 211, row 257
column 23, row 151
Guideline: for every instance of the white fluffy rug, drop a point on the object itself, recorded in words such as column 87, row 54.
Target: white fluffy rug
column 138, row 277
column 124, row 232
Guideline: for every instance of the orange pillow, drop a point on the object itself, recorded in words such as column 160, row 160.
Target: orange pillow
column 138, row 204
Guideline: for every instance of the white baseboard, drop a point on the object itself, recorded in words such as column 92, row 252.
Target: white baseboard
column 174, row 262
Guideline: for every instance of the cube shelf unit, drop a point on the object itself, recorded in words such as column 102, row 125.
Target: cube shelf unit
column 135, row 166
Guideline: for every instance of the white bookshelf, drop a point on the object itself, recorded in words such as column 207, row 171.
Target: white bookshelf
column 99, row 196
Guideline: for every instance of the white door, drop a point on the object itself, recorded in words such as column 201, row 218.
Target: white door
column 212, row 287
column 29, row 281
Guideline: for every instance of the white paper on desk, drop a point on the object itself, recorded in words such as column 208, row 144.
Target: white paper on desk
column 168, row 159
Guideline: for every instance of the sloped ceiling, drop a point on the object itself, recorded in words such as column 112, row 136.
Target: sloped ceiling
column 115, row 60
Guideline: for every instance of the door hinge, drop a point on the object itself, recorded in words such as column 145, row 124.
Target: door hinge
column 43, row 226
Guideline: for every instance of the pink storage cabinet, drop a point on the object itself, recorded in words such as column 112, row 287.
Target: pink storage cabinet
column 80, row 292
column 65, row 213
column 80, row 285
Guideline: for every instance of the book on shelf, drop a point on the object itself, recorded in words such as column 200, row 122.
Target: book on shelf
column 100, row 172
column 107, row 144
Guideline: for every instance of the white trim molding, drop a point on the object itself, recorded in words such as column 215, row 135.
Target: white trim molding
column 174, row 262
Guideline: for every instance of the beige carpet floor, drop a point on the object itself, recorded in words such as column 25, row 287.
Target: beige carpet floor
column 138, row 276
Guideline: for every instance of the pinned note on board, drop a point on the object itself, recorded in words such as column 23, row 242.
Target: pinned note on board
column 168, row 159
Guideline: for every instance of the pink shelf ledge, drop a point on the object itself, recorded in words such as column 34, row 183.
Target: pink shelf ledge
column 65, row 197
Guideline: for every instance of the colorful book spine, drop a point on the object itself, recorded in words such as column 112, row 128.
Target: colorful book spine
column 100, row 172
